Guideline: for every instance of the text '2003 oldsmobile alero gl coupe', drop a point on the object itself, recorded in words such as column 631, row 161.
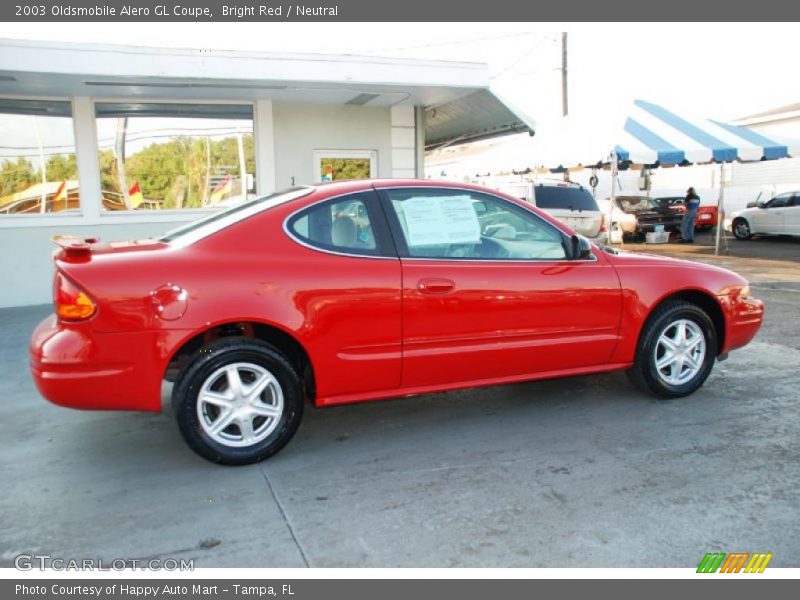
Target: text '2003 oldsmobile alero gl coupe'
column 357, row 291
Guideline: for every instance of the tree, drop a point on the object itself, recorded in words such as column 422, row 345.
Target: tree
column 16, row 176
column 61, row 167
column 347, row 168
column 175, row 171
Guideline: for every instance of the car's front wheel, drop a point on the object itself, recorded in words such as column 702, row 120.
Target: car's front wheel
column 238, row 401
column 676, row 351
column 741, row 229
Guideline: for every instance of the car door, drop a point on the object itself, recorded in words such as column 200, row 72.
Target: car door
column 770, row 219
column 349, row 295
column 488, row 293
column 791, row 223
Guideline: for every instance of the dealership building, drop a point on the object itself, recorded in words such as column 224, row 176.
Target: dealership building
column 122, row 142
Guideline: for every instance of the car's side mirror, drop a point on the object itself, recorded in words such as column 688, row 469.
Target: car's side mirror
column 762, row 205
column 580, row 248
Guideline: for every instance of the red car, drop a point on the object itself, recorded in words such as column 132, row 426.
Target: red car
column 706, row 213
column 364, row 290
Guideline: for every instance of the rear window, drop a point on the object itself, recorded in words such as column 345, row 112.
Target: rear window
column 195, row 230
column 569, row 198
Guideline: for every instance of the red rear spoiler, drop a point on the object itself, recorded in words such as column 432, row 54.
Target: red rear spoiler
column 74, row 249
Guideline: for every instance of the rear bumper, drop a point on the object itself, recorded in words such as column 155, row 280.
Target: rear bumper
column 745, row 317
column 649, row 227
column 74, row 367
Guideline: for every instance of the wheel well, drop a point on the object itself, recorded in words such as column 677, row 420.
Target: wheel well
column 281, row 340
column 709, row 306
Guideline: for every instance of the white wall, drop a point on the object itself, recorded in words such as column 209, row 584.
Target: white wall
column 26, row 270
column 301, row 129
column 285, row 147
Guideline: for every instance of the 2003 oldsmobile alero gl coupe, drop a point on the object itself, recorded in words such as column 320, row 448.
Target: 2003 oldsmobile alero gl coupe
column 363, row 290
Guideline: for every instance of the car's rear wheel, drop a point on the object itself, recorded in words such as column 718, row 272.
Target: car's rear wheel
column 238, row 401
column 741, row 229
column 676, row 351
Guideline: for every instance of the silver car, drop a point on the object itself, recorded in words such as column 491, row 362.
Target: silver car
column 568, row 202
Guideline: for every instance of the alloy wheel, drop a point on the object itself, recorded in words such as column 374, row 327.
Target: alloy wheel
column 680, row 352
column 240, row 404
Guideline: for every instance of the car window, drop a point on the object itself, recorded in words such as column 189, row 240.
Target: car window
column 635, row 203
column 200, row 228
column 341, row 225
column 570, row 198
column 469, row 225
column 779, row 201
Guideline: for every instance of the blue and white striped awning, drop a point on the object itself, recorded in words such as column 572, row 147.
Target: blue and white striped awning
column 654, row 134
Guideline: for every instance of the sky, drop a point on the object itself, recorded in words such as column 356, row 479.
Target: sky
column 716, row 70
column 724, row 71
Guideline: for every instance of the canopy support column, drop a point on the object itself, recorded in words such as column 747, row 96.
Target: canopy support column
column 720, row 207
column 613, row 201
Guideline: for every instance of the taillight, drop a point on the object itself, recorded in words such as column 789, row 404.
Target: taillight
column 603, row 224
column 71, row 302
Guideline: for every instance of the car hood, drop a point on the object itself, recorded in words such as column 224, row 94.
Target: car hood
column 714, row 278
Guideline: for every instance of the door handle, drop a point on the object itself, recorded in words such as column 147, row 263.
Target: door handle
column 436, row 286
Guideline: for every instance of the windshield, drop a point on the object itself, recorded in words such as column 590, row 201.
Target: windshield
column 635, row 203
column 570, row 198
column 200, row 228
column 670, row 200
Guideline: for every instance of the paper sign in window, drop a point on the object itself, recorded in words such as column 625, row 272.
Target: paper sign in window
column 435, row 220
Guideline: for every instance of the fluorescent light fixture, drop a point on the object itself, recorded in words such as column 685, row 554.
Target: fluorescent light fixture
column 150, row 84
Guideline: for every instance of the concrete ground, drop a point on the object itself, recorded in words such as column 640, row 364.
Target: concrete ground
column 582, row 472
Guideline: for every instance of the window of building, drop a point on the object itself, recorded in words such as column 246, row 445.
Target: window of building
column 175, row 156
column 335, row 165
column 38, row 170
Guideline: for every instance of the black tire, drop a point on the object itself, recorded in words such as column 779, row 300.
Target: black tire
column 208, row 361
column 741, row 229
column 644, row 373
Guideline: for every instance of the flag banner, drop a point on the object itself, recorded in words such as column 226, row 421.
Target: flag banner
column 222, row 190
column 135, row 194
column 61, row 192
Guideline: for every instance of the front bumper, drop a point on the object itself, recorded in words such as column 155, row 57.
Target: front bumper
column 75, row 367
column 744, row 319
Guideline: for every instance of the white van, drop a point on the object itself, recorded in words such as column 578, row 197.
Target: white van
column 570, row 203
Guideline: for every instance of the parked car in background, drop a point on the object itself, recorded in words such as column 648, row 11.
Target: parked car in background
column 303, row 296
column 621, row 224
column 778, row 216
column 706, row 213
column 638, row 214
column 568, row 202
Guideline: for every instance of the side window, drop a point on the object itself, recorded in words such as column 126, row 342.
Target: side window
column 341, row 225
column 467, row 225
column 779, row 201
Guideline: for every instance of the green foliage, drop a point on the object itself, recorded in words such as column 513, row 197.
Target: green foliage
column 176, row 171
column 109, row 182
column 61, row 167
column 17, row 175
column 346, row 168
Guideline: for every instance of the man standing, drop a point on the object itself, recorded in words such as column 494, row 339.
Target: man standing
column 692, row 203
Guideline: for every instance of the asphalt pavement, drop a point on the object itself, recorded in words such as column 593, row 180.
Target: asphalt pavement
column 581, row 472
